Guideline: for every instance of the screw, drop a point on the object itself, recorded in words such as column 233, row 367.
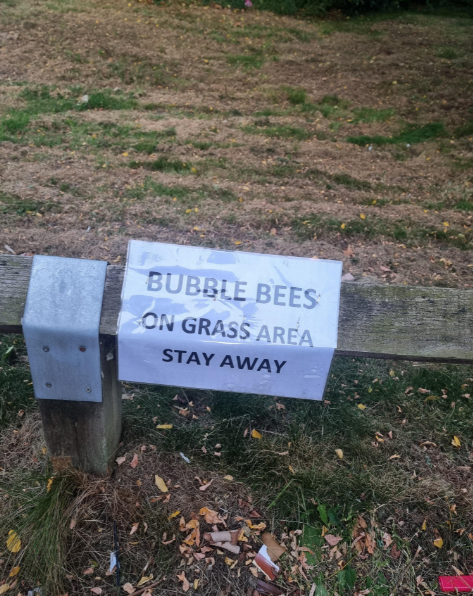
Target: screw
column 88, row 389
column 82, row 348
column 48, row 385
column 45, row 349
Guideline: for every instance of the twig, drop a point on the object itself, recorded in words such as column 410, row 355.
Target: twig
column 411, row 562
column 282, row 492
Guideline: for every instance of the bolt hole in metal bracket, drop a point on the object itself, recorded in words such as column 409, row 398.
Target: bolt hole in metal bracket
column 61, row 327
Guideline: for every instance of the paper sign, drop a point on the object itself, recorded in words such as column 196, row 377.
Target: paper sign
column 231, row 321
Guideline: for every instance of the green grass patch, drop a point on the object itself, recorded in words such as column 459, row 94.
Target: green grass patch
column 295, row 95
column 281, row 131
column 180, row 192
column 448, row 53
column 464, row 205
column 13, row 204
column 465, row 130
column 410, row 136
column 16, row 392
column 139, row 72
column 163, row 164
column 407, row 232
column 330, row 106
column 368, row 115
column 247, row 61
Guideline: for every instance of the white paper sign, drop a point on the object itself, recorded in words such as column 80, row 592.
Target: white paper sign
column 232, row 321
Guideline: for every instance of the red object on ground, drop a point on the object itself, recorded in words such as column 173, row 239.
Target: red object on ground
column 456, row 583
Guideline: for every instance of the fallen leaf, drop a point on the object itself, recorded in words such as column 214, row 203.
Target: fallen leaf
column 252, row 526
column 348, row 252
column 88, row 571
column 229, row 478
column 395, row 552
column 14, row 571
column 387, row 539
column 424, row 525
column 339, row 452
column 120, row 460
column 13, row 542
column 144, row 579
column 361, row 407
column 291, row 469
column 363, row 216
column 134, row 461
column 196, row 583
column 134, row 527
column 280, row 406
column 229, row 561
column 173, row 515
column 164, row 426
column 50, row 483
column 161, row 484
column 185, row 584
column 332, row 540
column 255, row 434
column 395, row 457
column 456, row 442
column 205, row 486
column 96, row 590
column 210, row 516
column 420, row 390
column 129, row 589
column 4, row 588
column 431, row 398
column 438, row 543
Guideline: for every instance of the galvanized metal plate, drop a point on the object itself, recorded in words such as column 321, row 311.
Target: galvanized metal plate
column 61, row 327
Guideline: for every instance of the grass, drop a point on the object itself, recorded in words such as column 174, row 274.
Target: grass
column 179, row 192
column 296, row 480
column 15, row 204
column 295, row 95
column 280, row 131
column 410, row 136
column 163, row 164
column 368, row 115
column 405, row 231
column 465, row 130
column 247, row 61
column 330, row 106
column 448, row 53
column 46, row 100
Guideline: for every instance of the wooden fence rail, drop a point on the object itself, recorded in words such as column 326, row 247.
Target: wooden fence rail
column 376, row 321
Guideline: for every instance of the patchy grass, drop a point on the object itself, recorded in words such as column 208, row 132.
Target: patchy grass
column 281, row 131
column 295, row 95
column 368, row 115
column 247, row 61
column 408, row 232
column 410, row 136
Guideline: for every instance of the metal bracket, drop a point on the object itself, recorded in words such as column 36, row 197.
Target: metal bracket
column 61, row 327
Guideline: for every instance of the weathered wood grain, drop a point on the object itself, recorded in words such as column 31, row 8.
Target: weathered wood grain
column 376, row 321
